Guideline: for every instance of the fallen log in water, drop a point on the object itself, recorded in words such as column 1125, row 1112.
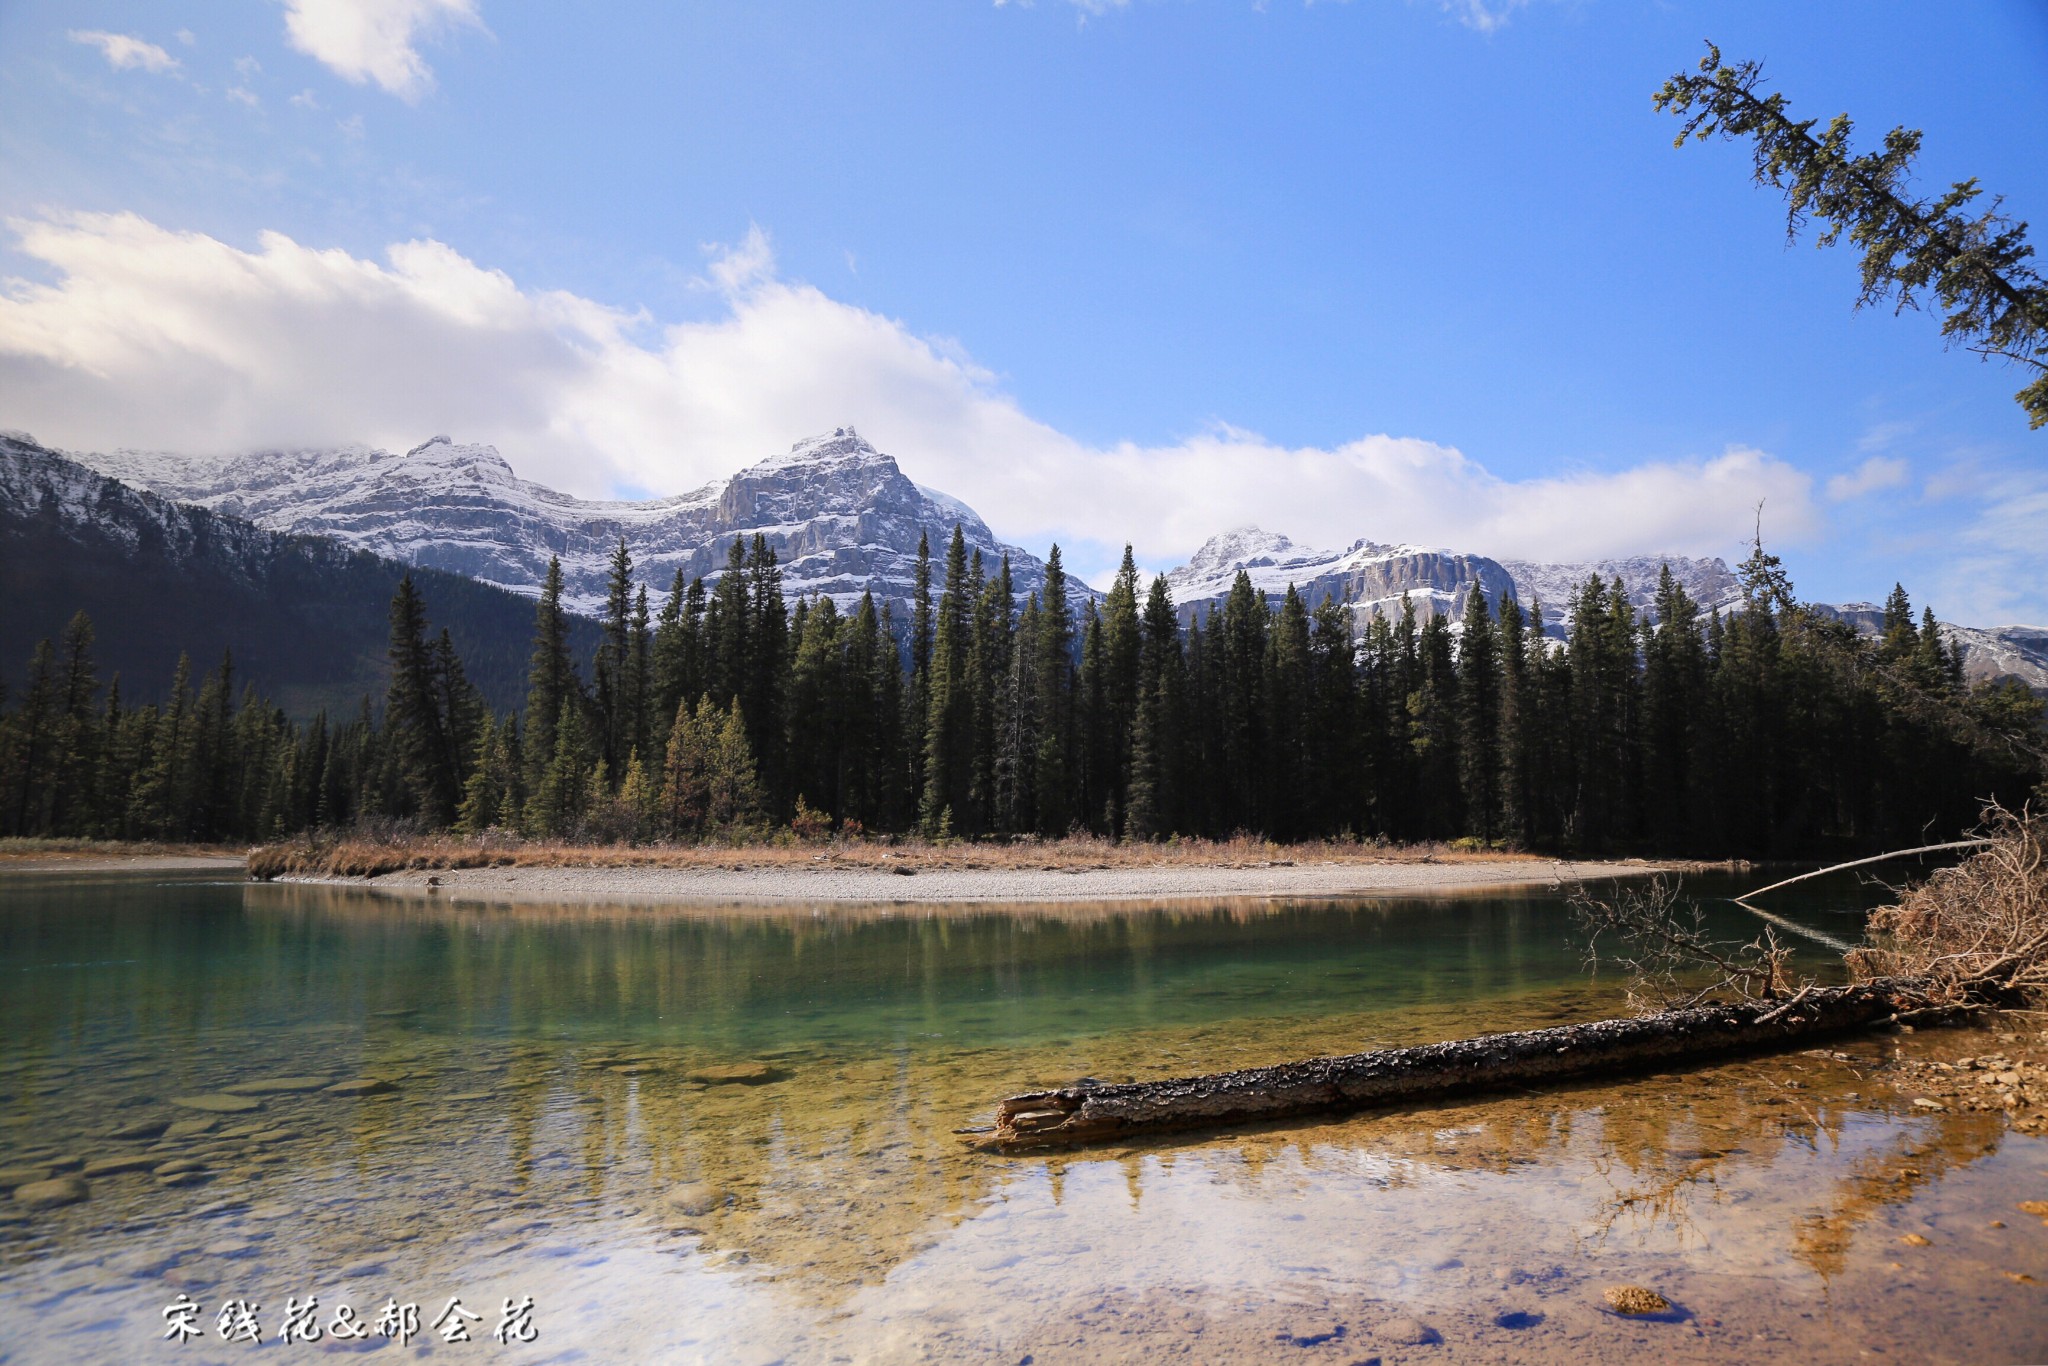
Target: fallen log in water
column 1076, row 1115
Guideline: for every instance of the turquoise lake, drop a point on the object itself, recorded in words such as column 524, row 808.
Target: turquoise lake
column 535, row 1082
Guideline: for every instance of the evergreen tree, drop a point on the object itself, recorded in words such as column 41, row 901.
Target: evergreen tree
column 1516, row 703
column 1433, row 730
column 728, row 625
column 1241, row 712
column 1285, row 697
column 1016, row 757
column 423, row 710
column 768, row 659
column 611, row 675
column 1479, row 748
column 1674, row 698
column 918, row 697
column 817, row 706
column 555, row 811
column 734, row 789
column 988, row 668
column 1053, row 705
column 1156, row 774
column 551, row 680
column 76, row 761
column 31, row 753
column 685, row 795
column 949, row 717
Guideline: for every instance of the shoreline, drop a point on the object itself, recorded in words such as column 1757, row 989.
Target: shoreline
column 121, row 863
column 770, row 886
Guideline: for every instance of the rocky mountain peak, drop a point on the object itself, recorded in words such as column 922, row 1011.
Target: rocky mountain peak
column 842, row 518
column 838, row 450
column 1369, row 576
column 1239, row 546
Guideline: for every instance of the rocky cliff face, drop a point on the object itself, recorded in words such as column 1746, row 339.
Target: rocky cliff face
column 1369, row 576
column 1709, row 582
column 840, row 514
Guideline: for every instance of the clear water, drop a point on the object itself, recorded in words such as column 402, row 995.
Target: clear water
column 556, row 1070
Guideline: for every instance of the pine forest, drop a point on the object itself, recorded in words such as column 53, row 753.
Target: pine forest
column 723, row 712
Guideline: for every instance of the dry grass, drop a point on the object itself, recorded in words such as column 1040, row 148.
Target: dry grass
column 363, row 856
column 1978, row 928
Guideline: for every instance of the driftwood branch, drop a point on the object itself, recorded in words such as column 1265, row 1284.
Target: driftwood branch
column 1971, row 843
column 1077, row 1115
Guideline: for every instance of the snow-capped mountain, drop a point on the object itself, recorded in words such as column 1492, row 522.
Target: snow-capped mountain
column 1708, row 582
column 1369, row 576
column 305, row 618
column 843, row 518
column 840, row 515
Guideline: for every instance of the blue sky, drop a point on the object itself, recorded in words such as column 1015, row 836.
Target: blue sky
column 1394, row 269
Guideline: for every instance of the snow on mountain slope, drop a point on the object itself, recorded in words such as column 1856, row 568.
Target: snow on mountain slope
column 840, row 515
column 1988, row 651
column 842, row 518
column 1709, row 582
column 1369, row 576
column 306, row 618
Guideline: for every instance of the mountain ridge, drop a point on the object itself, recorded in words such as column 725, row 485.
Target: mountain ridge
column 305, row 617
column 841, row 516
column 843, row 519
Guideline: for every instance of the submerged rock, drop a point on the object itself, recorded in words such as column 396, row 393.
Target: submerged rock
column 1635, row 1300
column 693, row 1198
column 114, row 1166
column 141, row 1128
column 11, row 1177
column 360, row 1086
column 218, row 1103
column 1409, row 1333
column 735, row 1073
column 61, row 1190
column 277, row 1086
column 190, row 1128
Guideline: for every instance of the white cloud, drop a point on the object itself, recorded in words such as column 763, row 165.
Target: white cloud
column 1878, row 472
column 734, row 269
column 375, row 40
column 305, row 99
column 243, row 95
column 178, row 341
column 124, row 50
column 1483, row 16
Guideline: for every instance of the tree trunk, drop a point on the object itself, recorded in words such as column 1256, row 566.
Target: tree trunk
column 1077, row 1115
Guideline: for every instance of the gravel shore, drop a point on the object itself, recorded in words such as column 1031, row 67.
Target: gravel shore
column 823, row 882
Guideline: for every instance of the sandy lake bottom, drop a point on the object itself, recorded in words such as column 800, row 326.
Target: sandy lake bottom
column 536, row 1083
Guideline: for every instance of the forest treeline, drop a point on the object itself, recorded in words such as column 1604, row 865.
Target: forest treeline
column 1766, row 731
